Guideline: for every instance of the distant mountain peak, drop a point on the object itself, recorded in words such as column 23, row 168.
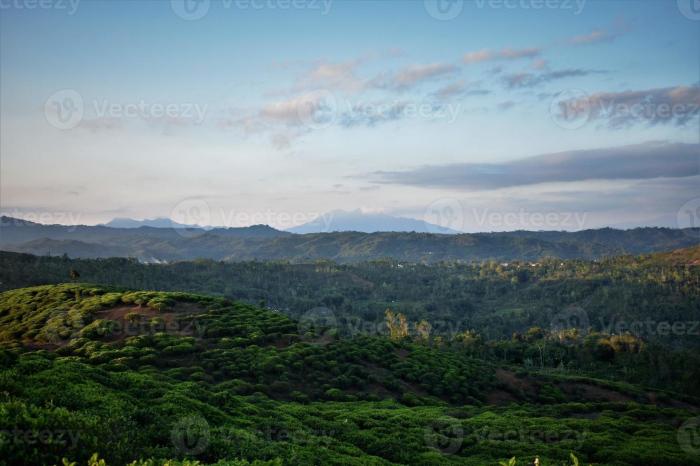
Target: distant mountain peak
column 367, row 222
column 158, row 222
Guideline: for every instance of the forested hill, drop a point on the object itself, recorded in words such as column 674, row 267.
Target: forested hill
column 264, row 243
column 133, row 375
column 496, row 298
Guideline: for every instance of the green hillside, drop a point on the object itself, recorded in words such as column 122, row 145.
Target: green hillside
column 264, row 243
column 137, row 374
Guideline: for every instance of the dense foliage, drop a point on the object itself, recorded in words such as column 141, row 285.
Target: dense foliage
column 134, row 375
column 617, row 295
column 265, row 243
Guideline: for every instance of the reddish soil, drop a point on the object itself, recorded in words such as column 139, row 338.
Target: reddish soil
column 500, row 397
column 171, row 320
column 515, row 383
column 594, row 393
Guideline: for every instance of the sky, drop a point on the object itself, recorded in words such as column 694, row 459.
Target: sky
column 483, row 115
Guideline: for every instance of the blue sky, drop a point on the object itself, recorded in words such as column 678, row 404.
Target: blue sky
column 275, row 111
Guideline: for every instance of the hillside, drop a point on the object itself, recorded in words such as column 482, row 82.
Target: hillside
column 135, row 374
column 498, row 298
column 264, row 243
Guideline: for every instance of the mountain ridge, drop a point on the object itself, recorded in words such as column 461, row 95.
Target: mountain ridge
column 266, row 243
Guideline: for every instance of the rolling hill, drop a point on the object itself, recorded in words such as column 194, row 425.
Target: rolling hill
column 132, row 375
column 265, row 243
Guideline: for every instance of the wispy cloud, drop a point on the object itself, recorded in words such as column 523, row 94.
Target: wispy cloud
column 413, row 75
column 669, row 105
column 459, row 89
column 333, row 76
column 595, row 36
column 486, row 55
column 641, row 161
column 520, row 80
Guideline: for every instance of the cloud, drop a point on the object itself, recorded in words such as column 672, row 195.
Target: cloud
column 413, row 75
column 669, row 105
column 333, row 76
column 372, row 114
column 458, row 89
column 539, row 64
column 485, row 55
column 595, row 36
column 522, row 80
column 507, row 105
column 640, row 161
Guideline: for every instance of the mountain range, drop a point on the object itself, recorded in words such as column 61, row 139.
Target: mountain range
column 356, row 220
column 261, row 242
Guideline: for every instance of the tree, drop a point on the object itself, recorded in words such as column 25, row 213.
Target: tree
column 423, row 329
column 397, row 324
